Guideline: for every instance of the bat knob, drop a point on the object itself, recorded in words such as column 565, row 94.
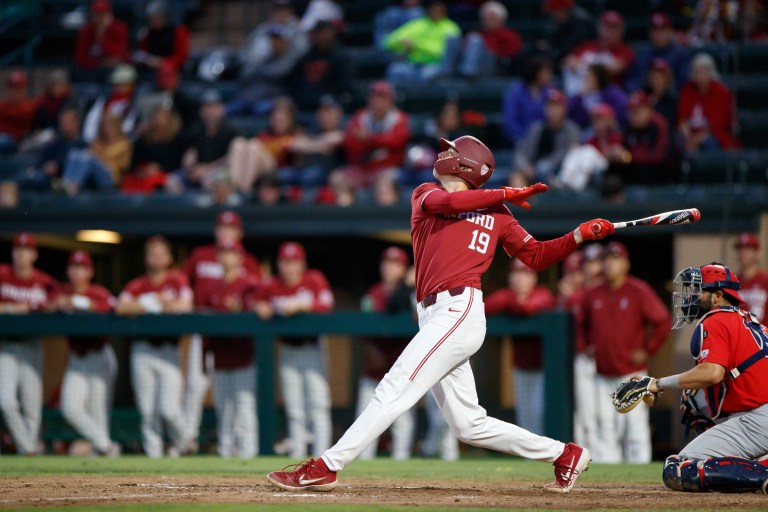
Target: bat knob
column 596, row 228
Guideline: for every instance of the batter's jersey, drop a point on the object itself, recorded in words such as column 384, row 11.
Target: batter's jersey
column 726, row 340
column 455, row 249
column 174, row 286
column 755, row 293
column 382, row 352
column 203, row 266
column 37, row 291
column 96, row 299
column 313, row 290
column 229, row 352
column 619, row 321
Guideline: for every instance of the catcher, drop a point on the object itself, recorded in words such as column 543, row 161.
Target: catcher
column 730, row 347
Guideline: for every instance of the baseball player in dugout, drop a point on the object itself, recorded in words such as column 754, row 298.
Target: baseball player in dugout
column 23, row 289
column 203, row 267
column 754, row 280
column 302, row 360
column 155, row 371
column 725, row 397
column 88, row 384
column 455, row 228
column 524, row 297
column 625, row 323
column 234, row 377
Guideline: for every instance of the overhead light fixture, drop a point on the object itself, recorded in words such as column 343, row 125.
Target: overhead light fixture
column 98, row 236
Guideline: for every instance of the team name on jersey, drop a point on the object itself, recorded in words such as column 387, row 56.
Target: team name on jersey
column 31, row 295
column 209, row 270
column 481, row 219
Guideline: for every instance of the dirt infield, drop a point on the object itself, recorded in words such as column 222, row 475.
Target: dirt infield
column 92, row 490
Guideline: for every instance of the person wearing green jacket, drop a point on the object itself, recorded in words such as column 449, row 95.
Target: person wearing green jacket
column 422, row 43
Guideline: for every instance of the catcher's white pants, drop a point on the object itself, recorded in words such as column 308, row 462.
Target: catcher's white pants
column 585, row 393
column 157, row 385
column 437, row 358
column 21, row 391
column 86, row 394
column 307, row 397
column 196, row 387
column 402, row 428
column 622, row 437
column 439, row 438
column 235, row 398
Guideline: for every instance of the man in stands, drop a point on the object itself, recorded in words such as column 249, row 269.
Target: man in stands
column 161, row 41
column 102, row 43
column 663, row 46
column 17, row 112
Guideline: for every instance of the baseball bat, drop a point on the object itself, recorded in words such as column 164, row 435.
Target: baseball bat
column 670, row 218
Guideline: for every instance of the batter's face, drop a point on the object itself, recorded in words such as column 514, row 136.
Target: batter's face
column 157, row 257
column 291, row 270
column 24, row 257
column 392, row 271
column 79, row 274
column 227, row 233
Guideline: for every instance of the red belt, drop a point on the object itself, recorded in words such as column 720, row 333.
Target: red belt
column 431, row 299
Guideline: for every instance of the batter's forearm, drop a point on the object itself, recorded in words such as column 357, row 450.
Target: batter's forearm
column 440, row 201
column 540, row 255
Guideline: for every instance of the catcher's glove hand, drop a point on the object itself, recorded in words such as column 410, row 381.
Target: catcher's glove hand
column 629, row 393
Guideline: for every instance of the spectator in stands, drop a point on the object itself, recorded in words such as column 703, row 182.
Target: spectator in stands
column 58, row 91
column 421, row 44
column 17, row 112
column 571, row 25
column 322, row 70
column 753, row 279
column 660, row 87
column 52, row 159
column 167, row 81
column 269, row 191
column 161, row 42
column 393, row 17
column 252, row 158
column 322, row 10
column 524, row 297
column 302, row 365
column 706, row 111
column 374, row 140
column 597, row 89
column 235, row 375
column 541, row 152
column 486, row 52
column 155, row 372
column 88, row 384
column 663, row 46
column 157, row 152
column 609, row 49
column 715, row 22
column 120, row 102
column 112, row 148
column 525, row 99
column 646, row 137
column 755, row 21
column 23, row 289
column 101, row 44
column 317, row 153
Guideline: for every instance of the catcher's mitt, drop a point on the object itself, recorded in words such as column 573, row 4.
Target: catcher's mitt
column 629, row 393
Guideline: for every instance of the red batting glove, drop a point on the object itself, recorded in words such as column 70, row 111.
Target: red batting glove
column 596, row 229
column 518, row 196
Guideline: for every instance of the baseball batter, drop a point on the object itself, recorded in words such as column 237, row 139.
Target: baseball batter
column 88, row 384
column 455, row 228
column 23, row 289
column 155, row 372
column 730, row 348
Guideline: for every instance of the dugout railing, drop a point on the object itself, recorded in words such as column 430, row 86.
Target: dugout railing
column 553, row 327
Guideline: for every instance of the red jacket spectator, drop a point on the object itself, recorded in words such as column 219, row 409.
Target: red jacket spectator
column 103, row 41
column 17, row 109
column 711, row 110
column 503, row 42
column 609, row 48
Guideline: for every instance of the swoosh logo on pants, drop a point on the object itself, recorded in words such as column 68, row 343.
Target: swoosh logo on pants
column 454, row 310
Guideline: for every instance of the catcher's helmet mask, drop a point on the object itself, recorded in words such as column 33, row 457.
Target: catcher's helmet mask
column 686, row 303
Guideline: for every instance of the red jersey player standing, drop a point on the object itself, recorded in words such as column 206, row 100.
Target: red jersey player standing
column 306, row 392
column 455, row 230
column 754, row 280
column 23, row 289
column 88, row 383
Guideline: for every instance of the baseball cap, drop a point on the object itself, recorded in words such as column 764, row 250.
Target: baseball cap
column 612, row 18
column 211, row 96
column 616, row 249
column 25, row 240
column 573, row 262
column 397, row 254
column 593, row 252
column 80, row 258
column 291, row 251
column 230, row 245
column 639, row 99
column 382, row 88
column 747, row 239
column 517, row 264
column 602, row 110
column 17, row 79
column 123, row 74
column 229, row 218
column 328, row 101
column 556, row 96
column 557, row 5
column 660, row 20
column 659, row 64
column 716, row 276
column 101, row 6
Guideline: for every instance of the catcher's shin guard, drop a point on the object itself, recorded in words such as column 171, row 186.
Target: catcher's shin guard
column 722, row 474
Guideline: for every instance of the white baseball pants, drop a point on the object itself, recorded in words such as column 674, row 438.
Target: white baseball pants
column 21, row 391
column 622, row 437
column 529, row 399
column 585, row 393
column 439, row 438
column 197, row 384
column 86, row 395
column 235, row 399
column 157, row 385
column 402, row 429
column 307, row 397
column 437, row 358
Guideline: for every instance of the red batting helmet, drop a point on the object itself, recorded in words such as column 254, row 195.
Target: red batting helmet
column 473, row 155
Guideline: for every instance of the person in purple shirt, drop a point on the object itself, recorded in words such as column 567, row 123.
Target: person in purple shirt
column 663, row 46
column 597, row 89
column 524, row 101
